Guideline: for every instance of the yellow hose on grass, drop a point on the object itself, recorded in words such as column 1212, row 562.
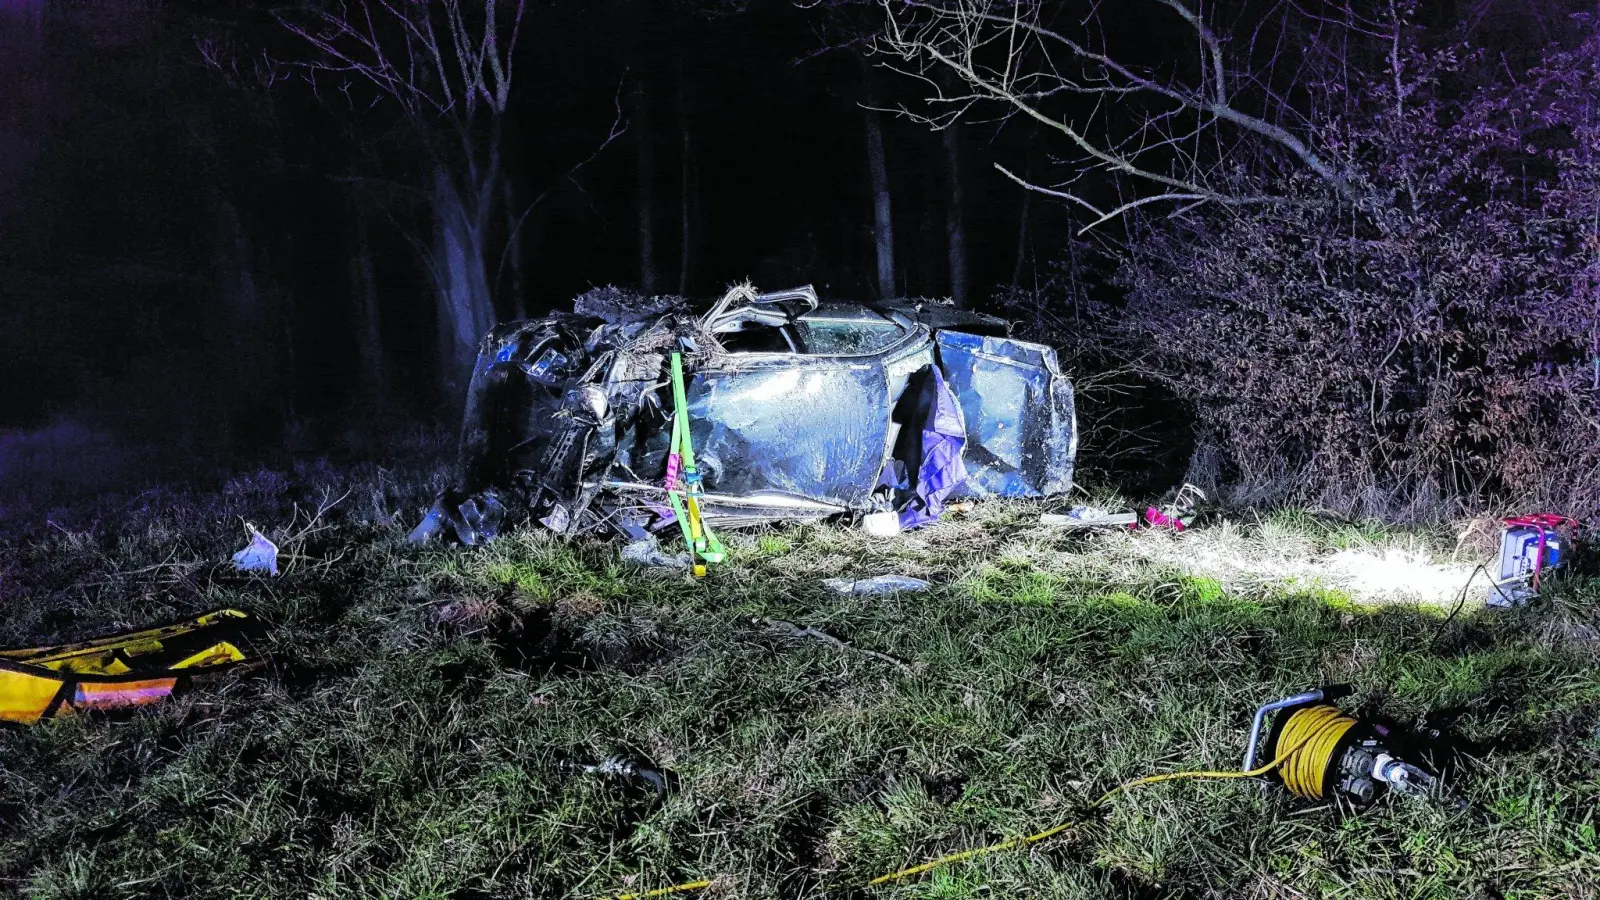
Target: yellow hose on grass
column 662, row 892
column 1311, row 734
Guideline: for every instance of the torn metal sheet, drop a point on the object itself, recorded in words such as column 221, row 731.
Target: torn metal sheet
column 813, row 427
column 1022, row 434
column 797, row 410
column 471, row 519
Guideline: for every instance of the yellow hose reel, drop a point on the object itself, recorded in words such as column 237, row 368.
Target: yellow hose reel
column 1318, row 752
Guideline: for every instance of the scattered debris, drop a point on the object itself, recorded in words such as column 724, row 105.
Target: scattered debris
column 1178, row 513
column 124, row 670
column 616, row 305
column 259, row 555
column 473, row 519
column 877, row 586
column 1313, row 749
column 623, row 767
column 881, row 524
column 790, row 629
column 1090, row 517
column 647, row 552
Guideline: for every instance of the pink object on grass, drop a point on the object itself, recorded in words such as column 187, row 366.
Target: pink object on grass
column 1155, row 518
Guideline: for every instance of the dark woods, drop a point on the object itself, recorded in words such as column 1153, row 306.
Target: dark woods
column 1343, row 252
column 237, row 227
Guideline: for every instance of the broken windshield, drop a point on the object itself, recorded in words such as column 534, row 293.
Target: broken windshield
column 848, row 331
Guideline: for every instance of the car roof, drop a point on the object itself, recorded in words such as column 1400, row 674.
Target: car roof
column 844, row 312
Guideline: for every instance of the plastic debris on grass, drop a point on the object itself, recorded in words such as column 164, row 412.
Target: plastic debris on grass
column 1090, row 517
column 647, row 552
column 627, row 768
column 877, row 586
column 259, row 555
column 472, row 519
column 122, row 671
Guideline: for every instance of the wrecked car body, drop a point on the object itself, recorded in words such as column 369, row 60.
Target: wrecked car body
column 797, row 410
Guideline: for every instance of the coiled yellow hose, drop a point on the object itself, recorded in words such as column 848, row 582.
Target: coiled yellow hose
column 1312, row 733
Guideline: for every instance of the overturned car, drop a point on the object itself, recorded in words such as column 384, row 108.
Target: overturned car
column 796, row 410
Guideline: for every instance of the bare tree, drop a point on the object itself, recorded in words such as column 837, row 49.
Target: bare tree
column 366, row 310
column 882, row 205
column 645, row 204
column 448, row 66
column 955, row 217
column 1179, row 119
column 686, row 185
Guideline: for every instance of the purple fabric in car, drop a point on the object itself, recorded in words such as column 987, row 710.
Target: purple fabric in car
column 941, row 470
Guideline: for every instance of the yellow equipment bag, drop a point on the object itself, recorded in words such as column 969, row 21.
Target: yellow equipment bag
column 122, row 671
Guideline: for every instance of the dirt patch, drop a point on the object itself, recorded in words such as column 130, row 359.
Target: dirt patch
column 550, row 639
column 803, row 841
column 536, row 642
column 945, row 788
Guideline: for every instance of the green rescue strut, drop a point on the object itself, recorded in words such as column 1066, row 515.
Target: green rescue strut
column 703, row 545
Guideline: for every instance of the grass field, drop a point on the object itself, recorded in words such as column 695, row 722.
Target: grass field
column 417, row 731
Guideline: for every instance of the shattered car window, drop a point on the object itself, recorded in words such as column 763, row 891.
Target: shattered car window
column 834, row 330
column 848, row 337
column 757, row 338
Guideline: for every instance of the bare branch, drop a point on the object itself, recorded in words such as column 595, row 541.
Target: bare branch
column 619, row 126
column 1159, row 129
column 433, row 57
column 1104, row 216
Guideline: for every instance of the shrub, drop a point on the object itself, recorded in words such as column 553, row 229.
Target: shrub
column 1428, row 328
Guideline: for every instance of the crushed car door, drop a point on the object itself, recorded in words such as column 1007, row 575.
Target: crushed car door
column 813, row 427
column 812, row 422
column 1022, row 434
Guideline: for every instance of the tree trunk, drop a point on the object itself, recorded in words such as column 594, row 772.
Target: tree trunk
column 646, row 203
column 233, row 263
column 878, row 172
column 466, row 310
column 368, row 330
column 1022, row 239
column 518, row 305
column 955, row 221
column 685, row 187
column 248, row 350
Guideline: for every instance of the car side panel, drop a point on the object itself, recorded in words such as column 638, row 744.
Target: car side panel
column 811, row 427
column 1022, row 438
